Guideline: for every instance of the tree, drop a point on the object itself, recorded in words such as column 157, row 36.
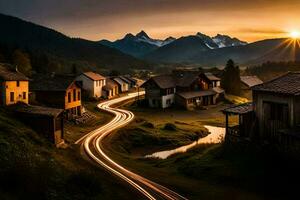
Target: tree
column 231, row 81
column 22, row 61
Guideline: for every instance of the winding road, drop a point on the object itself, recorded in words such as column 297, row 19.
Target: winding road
column 92, row 146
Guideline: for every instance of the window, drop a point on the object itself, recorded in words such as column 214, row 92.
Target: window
column 24, row 95
column 69, row 97
column 79, row 96
column 168, row 102
column 12, row 97
column 18, row 83
column 74, row 94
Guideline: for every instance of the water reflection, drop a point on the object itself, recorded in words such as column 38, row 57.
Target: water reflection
column 216, row 136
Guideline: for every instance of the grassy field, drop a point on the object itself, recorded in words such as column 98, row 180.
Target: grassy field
column 32, row 168
column 75, row 131
column 236, row 171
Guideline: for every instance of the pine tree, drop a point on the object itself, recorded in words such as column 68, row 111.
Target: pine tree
column 230, row 81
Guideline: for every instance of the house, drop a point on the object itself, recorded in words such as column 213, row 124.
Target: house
column 92, row 83
column 277, row 105
column 247, row 82
column 110, row 90
column 44, row 120
column 216, row 82
column 274, row 114
column 130, row 81
column 160, row 91
column 13, row 86
column 123, row 86
column 58, row 91
column 188, row 89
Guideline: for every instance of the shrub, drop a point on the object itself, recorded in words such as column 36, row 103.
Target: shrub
column 170, row 127
column 148, row 125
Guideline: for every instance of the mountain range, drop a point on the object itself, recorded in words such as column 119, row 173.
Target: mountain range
column 140, row 45
column 52, row 50
column 206, row 51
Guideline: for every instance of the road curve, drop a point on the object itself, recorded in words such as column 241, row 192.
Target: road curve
column 92, row 146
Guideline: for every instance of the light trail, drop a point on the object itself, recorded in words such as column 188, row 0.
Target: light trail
column 92, row 146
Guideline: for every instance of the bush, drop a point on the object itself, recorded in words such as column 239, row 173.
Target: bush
column 148, row 125
column 170, row 127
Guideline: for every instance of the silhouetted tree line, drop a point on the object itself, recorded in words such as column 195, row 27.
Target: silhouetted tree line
column 269, row 70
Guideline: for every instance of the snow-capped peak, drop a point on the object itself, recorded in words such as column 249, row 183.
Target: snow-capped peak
column 226, row 41
column 143, row 37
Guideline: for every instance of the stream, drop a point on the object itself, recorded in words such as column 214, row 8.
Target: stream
column 216, row 135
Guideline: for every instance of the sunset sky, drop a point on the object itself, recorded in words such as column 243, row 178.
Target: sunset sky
column 111, row 19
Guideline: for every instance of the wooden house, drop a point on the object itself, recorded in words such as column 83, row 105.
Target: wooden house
column 274, row 114
column 188, row 89
column 247, row 82
column 44, row 120
column 277, row 105
column 58, row 91
column 13, row 86
column 92, row 83
column 111, row 89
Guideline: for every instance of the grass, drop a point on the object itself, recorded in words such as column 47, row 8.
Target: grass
column 32, row 168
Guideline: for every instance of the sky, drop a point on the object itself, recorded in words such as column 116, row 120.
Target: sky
column 248, row 20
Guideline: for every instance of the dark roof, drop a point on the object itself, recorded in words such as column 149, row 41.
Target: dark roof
column 186, row 79
column 51, row 83
column 211, row 77
column 251, row 81
column 164, row 81
column 239, row 109
column 110, row 84
column 120, row 81
column 94, row 76
column 9, row 73
column 128, row 79
column 37, row 110
column 288, row 83
column 193, row 94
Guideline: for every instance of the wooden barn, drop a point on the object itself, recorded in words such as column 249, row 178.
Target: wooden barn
column 46, row 121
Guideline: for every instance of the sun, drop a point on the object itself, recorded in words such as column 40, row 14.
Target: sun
column 295, row 34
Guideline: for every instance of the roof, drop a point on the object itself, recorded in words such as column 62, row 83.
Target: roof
column 239, row 109
column 51, row 83
column 251, row 81
column 9, row 73
column 94, row 76
column 37, row 110
column 128, row 79
column 186, row 79
column 120, row 81
column 164, row 81
column 218, row 90
column 110, row 84
column 288, row 84
column 193, row 94
column 211, row 77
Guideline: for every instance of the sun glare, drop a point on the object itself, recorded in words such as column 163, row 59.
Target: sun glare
column 295, row 34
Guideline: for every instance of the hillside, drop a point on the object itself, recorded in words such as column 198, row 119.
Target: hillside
column 32, row 168
column 46, row 45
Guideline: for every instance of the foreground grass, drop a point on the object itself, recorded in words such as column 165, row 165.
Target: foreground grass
column 31, row 168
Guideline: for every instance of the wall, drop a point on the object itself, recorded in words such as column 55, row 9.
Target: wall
column 171, row 97
column 260, row 97
column 73, row 103
column 94, row 87
column 11, row 86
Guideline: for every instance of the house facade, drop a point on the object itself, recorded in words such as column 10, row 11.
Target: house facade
column 110, row 90
column 14, row 86
column 188, row 89
column 58, row 91
column 92, row 83
column 123, row 86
